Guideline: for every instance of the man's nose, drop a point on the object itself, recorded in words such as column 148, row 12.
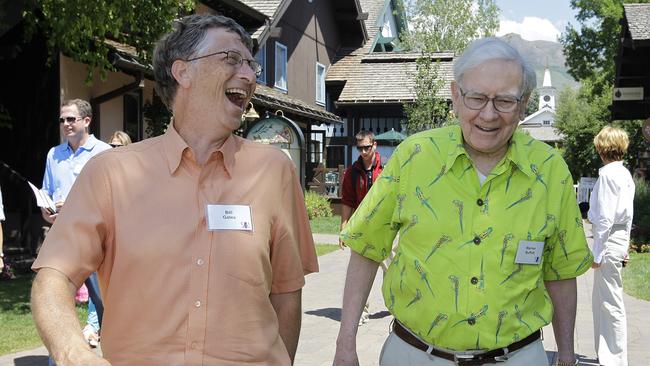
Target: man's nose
column 488, row 112
column 247, row 73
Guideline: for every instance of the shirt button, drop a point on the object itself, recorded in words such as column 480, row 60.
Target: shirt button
column 199, row 262
column 479, row 202
column 471, row 321
column 477, row 240
column 193, row 345
column 197, row 304
column 474, row 280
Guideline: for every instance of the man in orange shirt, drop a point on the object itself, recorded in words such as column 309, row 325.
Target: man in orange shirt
column 200, row 238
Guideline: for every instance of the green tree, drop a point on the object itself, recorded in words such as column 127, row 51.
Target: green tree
column 533, row 103
column 590, row 53
column 80, row 28
column 440, row 26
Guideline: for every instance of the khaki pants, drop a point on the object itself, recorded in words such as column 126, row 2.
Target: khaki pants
column 610, row 323
column 396, row 352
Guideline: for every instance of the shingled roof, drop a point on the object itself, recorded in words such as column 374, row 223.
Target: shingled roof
column 266, row 7
column 271, row 98
column 638, row 20
column 387, row 77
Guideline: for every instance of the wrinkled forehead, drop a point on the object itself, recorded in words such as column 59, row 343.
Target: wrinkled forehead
column 493, row 75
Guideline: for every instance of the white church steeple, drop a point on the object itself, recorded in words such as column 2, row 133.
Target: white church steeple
column 547, row 92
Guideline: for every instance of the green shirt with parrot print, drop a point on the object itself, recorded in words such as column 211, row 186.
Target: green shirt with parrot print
column 454, row 280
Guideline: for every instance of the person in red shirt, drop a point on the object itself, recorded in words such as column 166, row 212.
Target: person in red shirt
column 357, row 181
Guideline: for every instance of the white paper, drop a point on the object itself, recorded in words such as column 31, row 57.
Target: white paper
column 529, row 252
column 42, row 199
column 229, row 217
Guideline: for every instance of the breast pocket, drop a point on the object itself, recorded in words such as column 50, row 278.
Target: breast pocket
column 514, row 275
column 244, row 255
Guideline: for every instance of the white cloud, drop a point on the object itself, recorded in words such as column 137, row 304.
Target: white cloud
column 531, row 29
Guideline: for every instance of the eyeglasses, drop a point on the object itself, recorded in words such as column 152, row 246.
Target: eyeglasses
column 477, row 101
column 364, row 148
column 234, row 58
column 70, row 119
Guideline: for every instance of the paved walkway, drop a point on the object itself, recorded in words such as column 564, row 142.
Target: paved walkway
column 322, row 298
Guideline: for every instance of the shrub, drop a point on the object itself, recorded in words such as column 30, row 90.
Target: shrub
column 317, row 204
column 641, row 221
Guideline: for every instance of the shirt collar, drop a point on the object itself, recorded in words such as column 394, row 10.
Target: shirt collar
column 516, row 154
column 175, row 146
column 610, row 165
column 90, row 144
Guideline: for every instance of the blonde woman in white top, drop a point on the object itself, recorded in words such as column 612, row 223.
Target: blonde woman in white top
column 610, row 212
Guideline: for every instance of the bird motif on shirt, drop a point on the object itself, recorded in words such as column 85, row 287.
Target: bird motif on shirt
column 555, row 271
column 423, row 274
column 401, row 278
column 481, row 277
column 374, row 210
column 416, row 150
column 520, row 318
column 441, row 317
column 473, row 316
column 578, row 222
column 416, row 298
column 456, row 286
column 512, row 172
column 400, row 205
column 484, row 235
column 538, row 175
column 486, row 201
column 414, row 221
column 506, row 239
column 434, row 143
column 561, row 237
column 443, row 240
column 351, row 236
column 424, row 200
column 549, row 218
column 367, row 247
column 548, row 158
column 459, row 206
column 462, row 174
column 540, row 317
column 525, row 197
column 519, row 268
column 537, row 286
column 390, row 178
column 443, row 169
column 500, row 317
column 391, row 305
column 584, row 261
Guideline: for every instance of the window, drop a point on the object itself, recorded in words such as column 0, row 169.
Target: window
column 320, row 84
column 280, row 66
column 261, row 58
column 546, row 122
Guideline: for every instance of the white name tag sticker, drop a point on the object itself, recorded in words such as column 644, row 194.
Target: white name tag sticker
column 529, row 252
column 229, row 217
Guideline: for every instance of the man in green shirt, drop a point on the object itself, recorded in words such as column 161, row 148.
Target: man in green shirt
column 491, row 236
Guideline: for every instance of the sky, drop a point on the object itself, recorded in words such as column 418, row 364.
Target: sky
column 535, row 20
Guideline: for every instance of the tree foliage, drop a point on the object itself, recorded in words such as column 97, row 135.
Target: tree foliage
column 441, row 26
column 590, row 54
column 79, row 28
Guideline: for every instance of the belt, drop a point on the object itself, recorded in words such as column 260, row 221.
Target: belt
column 493, row 356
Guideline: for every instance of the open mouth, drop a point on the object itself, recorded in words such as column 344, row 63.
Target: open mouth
column 485, row 129
column 237, row 96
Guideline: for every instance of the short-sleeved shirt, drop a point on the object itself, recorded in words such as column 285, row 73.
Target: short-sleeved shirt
column 63, row 166
column 175, row 293
column 454, row 281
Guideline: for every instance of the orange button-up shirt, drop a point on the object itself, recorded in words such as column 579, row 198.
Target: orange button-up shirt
column 174, row 292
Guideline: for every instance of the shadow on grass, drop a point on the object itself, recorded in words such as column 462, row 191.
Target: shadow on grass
column 14, row 294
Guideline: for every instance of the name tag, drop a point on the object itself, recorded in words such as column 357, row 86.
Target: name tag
column 229, row 217
column 529, row 252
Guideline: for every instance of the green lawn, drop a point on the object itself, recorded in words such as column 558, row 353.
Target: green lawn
column 322, row 249
column 17, row 331
column 636, row 274
column 326, row 225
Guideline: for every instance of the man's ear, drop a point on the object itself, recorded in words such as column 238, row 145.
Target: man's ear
column 181, row 73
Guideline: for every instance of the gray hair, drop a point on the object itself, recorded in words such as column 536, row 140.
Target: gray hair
column 491, row 48
column 84, row 108
column 184, row 42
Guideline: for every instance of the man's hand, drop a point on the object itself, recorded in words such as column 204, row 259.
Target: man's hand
column 49, row 216
column 342, row 244
column 595, row 265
